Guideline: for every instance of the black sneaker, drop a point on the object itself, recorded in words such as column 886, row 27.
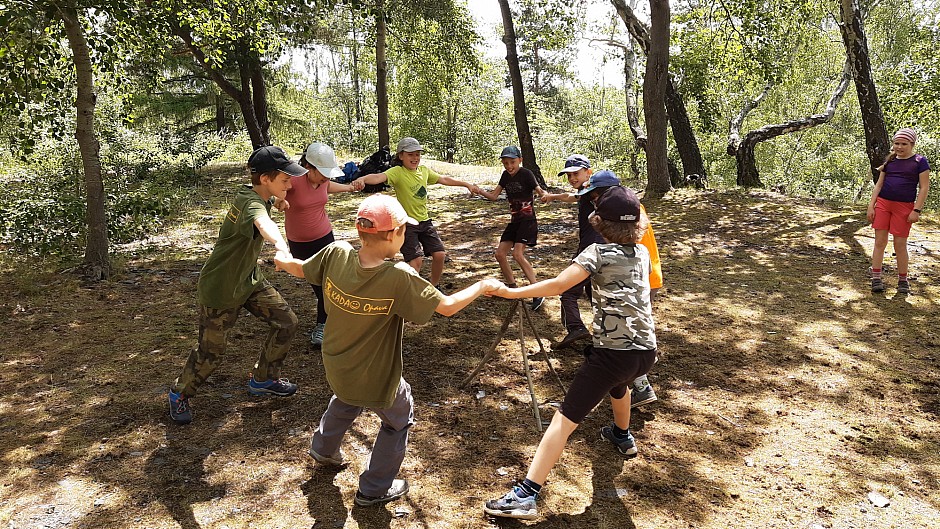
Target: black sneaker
column 904, row 287
column 574, row 335
column 537, row 303
column 398, row 489
column 512, row 506
column 180, row 411
column 877, row 285
column 280, row 387
column 626, row 445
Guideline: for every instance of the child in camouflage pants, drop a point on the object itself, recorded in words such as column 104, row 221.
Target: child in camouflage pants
column 231, row 280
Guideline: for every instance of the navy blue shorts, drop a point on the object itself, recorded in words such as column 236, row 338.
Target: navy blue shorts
column 604, row 372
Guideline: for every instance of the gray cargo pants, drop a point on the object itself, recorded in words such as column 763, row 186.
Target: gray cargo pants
column 388, row 452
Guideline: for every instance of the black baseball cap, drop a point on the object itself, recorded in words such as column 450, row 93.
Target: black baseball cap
column 619, row 204
column 272, row 158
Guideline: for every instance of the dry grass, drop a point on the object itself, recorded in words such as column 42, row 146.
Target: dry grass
column 788, row 392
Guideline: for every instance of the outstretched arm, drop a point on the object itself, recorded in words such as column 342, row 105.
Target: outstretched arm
column 336, row 187
column 374, row 178
column 559, row 197
column 568, row 278
column 491, row 195
column 291, row 265
column 451, row 181
column 457, row 301
column 271, row 233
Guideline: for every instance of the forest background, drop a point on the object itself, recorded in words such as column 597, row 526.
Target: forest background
column 172, row 86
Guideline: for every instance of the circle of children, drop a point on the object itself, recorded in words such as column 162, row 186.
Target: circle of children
column 364, row 297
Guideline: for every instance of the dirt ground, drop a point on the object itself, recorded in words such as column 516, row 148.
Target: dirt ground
column 789, row 395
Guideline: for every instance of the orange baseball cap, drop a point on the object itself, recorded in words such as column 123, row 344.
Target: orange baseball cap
column 384, row 212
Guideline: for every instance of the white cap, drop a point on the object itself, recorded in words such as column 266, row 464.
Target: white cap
column 321, row 156
column 408, row 144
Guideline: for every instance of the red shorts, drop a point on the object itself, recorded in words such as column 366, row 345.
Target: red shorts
column 892, row 216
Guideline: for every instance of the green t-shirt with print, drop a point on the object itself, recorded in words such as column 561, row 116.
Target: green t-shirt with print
column 232, row 273
column 367, row 309
column 411, row 189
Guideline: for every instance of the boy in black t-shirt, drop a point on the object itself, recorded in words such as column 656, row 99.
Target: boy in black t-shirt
column 522, row 230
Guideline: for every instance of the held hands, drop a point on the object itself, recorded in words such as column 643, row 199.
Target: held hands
column 282, row 258
column 494, row 287
column 475, row 190
column 281, row 204
column 357, row 184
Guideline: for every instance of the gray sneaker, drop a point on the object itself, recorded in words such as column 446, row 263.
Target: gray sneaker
column 626, row 446
column 316, row 336
column 904, row 287
column 877, row 285
column 641, row 397
column 335, row 460
column 398, row 489
column 512, row 506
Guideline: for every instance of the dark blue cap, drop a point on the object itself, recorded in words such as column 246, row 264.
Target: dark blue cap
column 604, row 178
column 511, row 152
column 575, row 162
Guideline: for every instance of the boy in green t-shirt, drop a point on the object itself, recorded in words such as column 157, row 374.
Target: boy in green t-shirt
column 410, row 180
column 368, row 300
column 231, row 279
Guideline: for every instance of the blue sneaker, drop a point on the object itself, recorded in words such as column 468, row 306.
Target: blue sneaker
column 626, row 445
column 180, row 411
column 280, row 387
column 513, row 505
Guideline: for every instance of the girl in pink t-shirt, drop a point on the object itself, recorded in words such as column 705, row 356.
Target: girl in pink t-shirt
column 305, row 220
column 895, row 205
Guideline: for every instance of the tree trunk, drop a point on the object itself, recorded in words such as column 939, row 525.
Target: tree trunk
column 518, row 96
column 639, row 135
column 877, row 143
column 259, row 99
column 242, row 96
column 693, row 167
column 381, row 74
column 654, row 109
column 747, row 165
column 97, row 264
column 682, row 130
column 355, row 73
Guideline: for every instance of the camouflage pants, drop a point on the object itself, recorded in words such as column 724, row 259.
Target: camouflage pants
column 265, row 303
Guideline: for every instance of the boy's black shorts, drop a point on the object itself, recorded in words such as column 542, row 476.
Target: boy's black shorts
column 604, row 372
column 525, row 232
column 421, row 237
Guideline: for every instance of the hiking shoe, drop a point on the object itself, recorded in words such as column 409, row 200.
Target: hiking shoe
column 877, row 285
column 641, row 397
column 335, row 460
column 537, row 303
column 398, row 489
column 904, row 287
column 626, row 445
column 280, row 387
column 316, row 336
column 574, row 335
column 180, row 411
column 512, row 506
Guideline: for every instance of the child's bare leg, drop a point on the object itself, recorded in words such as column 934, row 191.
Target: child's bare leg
column 502, row 257
column 518, row 253
column 416, row 263
column 437, row 267
column 878, row 253
column 551, row 446
column 900, row 251
column 621, row 408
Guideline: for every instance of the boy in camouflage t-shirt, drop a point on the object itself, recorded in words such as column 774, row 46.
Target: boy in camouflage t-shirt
column 624, row 344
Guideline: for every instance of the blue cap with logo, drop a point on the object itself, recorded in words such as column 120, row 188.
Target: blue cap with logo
column 511, row 152
column 603, row 178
